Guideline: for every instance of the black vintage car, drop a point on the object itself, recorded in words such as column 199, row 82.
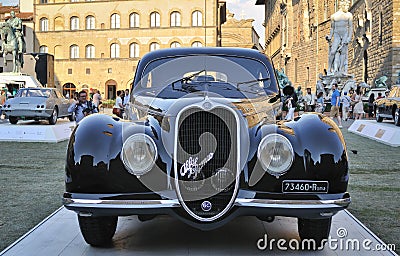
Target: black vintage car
column 203, row 144
column 389, row 107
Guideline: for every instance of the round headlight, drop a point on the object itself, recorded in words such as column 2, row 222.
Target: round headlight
column 139, row 154
column 275, row 154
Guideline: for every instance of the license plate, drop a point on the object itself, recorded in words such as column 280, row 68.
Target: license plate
column 304, row 186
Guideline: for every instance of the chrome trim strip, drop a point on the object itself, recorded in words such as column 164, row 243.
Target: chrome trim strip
column 241, row 202
column 300, row 204
column 127, row 204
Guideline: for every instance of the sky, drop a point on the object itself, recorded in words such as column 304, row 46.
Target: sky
column 243, row 9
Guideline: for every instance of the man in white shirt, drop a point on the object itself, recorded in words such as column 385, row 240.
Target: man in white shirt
column 310, row 101
column 345, row 106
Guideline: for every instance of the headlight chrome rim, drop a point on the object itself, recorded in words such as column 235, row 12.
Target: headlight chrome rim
column 139, row 137
column 267, row 167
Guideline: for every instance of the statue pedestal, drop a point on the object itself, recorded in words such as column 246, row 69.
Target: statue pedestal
column 340, row 79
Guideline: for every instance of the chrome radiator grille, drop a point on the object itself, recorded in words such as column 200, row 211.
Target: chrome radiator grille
column 206, row 161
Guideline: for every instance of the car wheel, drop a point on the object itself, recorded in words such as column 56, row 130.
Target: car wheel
column 72, row 117
column 314, row 230
column 13, row 119
column 397, row 118
column 378, row 118
column 53, row 117
column 98, row 231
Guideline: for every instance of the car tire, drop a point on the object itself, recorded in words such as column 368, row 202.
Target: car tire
column 72, row 117
column 98, row 231
column 315, row 229
column 53, row 118
column 13, row 119
column 397, row 117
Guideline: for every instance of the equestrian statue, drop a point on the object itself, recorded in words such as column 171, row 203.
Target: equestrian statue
column 13, row 41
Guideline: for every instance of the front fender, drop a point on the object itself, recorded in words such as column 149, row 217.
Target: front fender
column 93, row 157
column 320, row 153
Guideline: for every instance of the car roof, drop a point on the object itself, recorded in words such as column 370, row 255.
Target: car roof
column 170, row 52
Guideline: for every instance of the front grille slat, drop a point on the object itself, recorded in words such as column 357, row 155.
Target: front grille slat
column 201, row 133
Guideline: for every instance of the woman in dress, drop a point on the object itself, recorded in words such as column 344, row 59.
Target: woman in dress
column 358, row 110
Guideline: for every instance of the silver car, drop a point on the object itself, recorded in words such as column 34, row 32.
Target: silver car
column 37, row 104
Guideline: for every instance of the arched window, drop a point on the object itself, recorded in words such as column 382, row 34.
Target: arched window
column 175, row 45
column 90, row 22
column 197, row 44
column 134, row 50
column 154, row 46
column 43, row 49
column 115, row 20
column 175, row 19
column 134, row 20
column 90, row 51
column 197, row 19
column 114, row 50
column 74, row 51
column 154, row 19
column 74, row 23
column 44, row 24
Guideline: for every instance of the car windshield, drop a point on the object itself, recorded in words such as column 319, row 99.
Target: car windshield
column 34, row 93
column 195, row 74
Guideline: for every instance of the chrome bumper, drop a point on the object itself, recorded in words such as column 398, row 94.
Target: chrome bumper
column 240, row 202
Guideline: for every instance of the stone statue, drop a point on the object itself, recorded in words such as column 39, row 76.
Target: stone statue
column 16, row 24
column 283, row 80
column 341, row 32
column 13, row 41
column 381, row 82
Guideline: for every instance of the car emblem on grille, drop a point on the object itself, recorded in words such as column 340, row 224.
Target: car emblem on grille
column 206, row 206
column 192, row 168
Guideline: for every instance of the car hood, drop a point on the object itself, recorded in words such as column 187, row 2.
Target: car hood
column 254, row 110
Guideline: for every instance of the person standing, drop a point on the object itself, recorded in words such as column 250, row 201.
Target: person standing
column 82, row 107
column 371, row 105
column 96, row 98
column 335, row 103
column 320, row 106
column 345, row 106
column 358, row 110
column 310, row 101
column 118, row 107
column 126, row 98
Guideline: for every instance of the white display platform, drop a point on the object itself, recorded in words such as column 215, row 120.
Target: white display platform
column 386, row 133
column 31, row 131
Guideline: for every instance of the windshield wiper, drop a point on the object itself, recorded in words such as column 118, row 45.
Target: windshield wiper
column 186, row 78
column 253, row 81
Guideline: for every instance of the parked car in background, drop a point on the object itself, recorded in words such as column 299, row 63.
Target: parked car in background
column 389, row 107
column 37, row 104
column 202, row 143
column 373, row 91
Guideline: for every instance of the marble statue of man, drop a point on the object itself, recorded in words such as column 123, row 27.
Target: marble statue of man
column 16, row 24
column 339, row 38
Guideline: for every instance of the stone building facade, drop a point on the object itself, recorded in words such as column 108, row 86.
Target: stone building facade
column 97, row 44
column 239, row 33
column 295, row 34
